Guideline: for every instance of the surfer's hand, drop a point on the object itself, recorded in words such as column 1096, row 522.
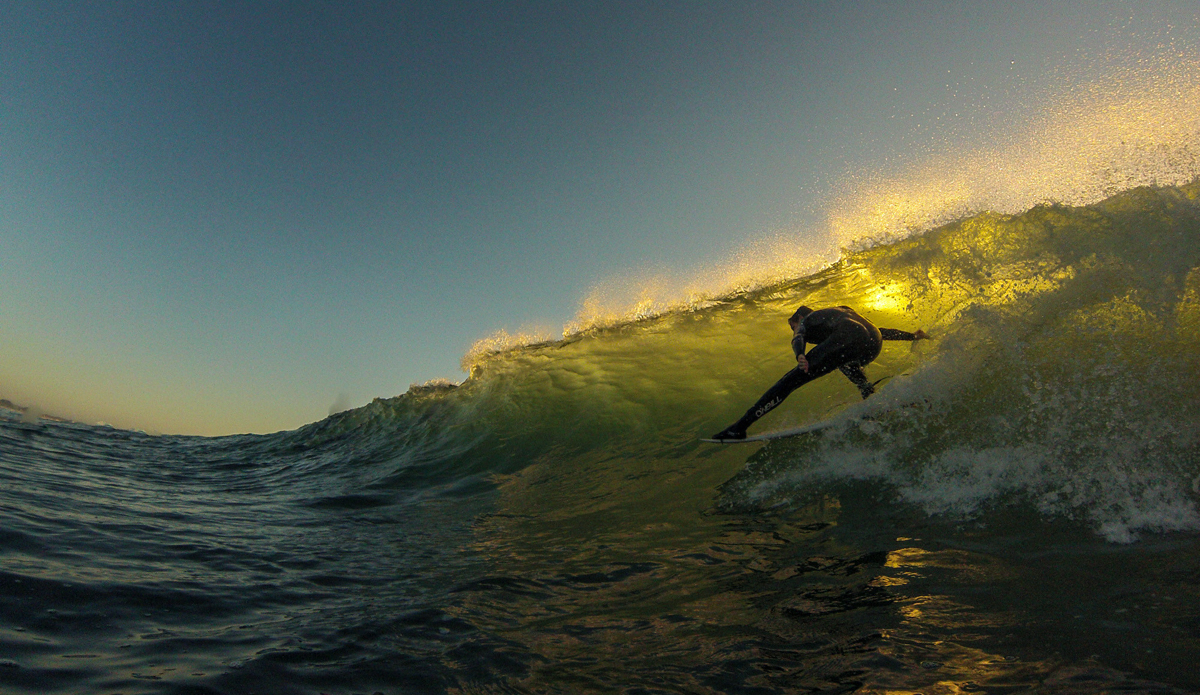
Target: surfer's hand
column 802, row 361
column 920, row 335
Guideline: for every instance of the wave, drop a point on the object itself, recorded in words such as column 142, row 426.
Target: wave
column 1064, row 373
column 1056, row 267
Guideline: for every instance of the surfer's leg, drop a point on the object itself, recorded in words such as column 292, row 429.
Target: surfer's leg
column 854, row 372
column 851, row 349
column 773, row 397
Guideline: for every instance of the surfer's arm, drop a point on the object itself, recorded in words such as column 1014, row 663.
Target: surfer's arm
column 897, row 334
column 798, row 347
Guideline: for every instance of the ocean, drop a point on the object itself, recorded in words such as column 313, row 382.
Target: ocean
column 1016, row 509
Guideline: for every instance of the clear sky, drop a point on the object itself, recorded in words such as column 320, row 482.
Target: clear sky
column 220, row 217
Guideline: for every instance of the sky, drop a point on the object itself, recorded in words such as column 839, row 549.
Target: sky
column 226, row 217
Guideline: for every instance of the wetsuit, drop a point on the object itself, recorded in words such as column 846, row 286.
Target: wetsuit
column 844, row 340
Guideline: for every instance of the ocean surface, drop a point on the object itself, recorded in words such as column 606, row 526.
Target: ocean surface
column 1016, row 510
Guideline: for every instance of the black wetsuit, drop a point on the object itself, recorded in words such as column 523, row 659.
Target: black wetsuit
column 844, row 340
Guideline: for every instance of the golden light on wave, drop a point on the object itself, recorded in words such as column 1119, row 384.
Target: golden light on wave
column 890, row 298
column 761, row 263
column 1138, row 127
column 501, row 341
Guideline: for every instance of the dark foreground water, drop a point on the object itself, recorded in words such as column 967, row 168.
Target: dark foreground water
column 1027, row 522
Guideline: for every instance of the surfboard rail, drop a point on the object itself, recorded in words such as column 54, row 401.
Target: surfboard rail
column 777, row 434
column 829, row 423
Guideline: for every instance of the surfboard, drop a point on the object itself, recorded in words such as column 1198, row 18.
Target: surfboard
column 789, row 432
column 803, row 429
column 812, row 426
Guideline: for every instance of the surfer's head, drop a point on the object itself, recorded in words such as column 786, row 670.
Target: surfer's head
column 797, row 317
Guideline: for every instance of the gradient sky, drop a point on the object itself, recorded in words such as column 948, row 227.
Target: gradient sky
column 220, row 217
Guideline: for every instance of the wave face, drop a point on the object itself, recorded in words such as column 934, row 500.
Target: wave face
column 1065, row 370
column 554, row 525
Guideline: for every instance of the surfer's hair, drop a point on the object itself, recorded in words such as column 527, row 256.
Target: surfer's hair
column 802, row 312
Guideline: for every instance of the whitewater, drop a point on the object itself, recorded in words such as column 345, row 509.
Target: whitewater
column 1017, row 509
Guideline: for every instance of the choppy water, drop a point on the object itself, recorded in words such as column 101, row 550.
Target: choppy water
column 554, row 524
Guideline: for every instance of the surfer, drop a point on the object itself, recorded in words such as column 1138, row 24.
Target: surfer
column 844, row 340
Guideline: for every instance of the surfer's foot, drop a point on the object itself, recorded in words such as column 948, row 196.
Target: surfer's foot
column 730, row 433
